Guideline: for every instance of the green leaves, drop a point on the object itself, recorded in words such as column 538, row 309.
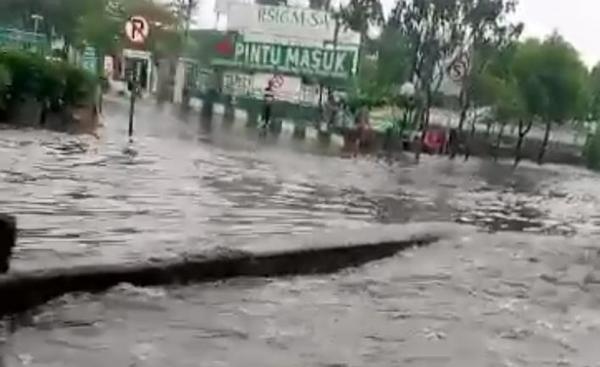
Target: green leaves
column 551, row 79
column 97, row 23
column 30, row 75
column 592, row 108
column 359, row 15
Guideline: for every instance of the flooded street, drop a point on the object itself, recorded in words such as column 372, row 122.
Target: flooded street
column 485, row 301
column 495, row 298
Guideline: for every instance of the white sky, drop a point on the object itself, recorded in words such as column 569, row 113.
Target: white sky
column 576, row 20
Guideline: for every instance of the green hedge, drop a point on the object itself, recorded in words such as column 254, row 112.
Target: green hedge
column 58, row 83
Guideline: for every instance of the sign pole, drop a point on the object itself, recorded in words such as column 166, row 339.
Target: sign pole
column 137, row 30
column 132, row 107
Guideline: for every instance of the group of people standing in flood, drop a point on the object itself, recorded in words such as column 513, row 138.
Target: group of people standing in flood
column 337, row 114
column 353, row 121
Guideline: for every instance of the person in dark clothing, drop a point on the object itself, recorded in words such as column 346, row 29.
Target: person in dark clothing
column 332, row 110
column 452, row 143
column 269, row 97
column 362, row 130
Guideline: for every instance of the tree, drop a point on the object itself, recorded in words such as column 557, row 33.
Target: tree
column 525, row 64
column 564, row 77
column 552, row 78
column 487, row 29
column 545, row 82
column 183, row 10
column 434, row 34
column 60, row 16
column 593, row 107
column 100, row 25
column 360, row 15
column 97, row 28
column 497, row 87
column 393, row 61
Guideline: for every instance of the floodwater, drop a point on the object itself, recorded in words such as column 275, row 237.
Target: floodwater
column 494, row 298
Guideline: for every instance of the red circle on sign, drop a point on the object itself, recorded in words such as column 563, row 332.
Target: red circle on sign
column 278, row 81
column 137, row 29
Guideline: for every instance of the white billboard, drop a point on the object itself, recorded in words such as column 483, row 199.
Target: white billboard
column 286, row 88
column 288, row 22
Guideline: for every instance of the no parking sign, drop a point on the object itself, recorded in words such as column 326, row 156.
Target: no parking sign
column 137, row 29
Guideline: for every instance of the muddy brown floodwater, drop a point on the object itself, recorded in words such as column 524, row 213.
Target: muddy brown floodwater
column 494, row 298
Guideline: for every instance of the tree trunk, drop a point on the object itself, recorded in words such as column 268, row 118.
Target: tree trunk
column 544, row 146
column 427, row 115
column 523, row 131
column 488, row 130
column 518, row 149
column 470, row 140
column 424, row 123
column 498, row 141
column 463, row 112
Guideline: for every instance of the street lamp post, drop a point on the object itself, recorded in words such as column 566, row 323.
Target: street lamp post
column 36, row 22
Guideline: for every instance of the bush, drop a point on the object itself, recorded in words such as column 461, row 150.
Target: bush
column 55, row 82
column 80, row 85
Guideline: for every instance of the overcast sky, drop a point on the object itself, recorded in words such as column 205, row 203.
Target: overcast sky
column 576, row 20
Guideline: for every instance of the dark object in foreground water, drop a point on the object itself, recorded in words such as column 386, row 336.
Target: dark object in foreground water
column 8, row 239
column 286, row 255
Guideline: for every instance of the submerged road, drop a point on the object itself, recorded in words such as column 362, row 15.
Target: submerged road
column 499, row 299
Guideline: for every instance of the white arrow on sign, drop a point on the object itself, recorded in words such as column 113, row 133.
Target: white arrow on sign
column 137, row 29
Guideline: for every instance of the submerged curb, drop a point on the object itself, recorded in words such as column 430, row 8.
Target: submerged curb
column 283, row 255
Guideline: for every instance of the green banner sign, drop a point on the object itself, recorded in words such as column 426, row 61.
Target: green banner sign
column 327, row 62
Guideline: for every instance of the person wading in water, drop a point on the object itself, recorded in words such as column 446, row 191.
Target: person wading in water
column 362, row 130
column 269, row 97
